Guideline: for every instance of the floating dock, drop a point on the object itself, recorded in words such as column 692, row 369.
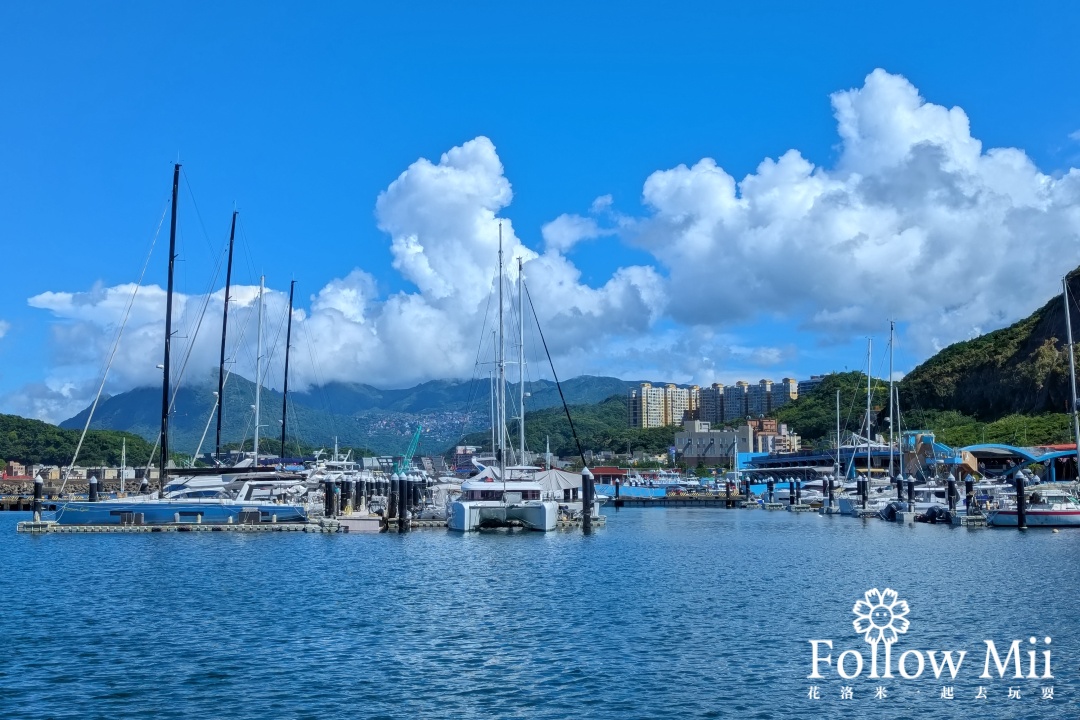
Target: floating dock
column 712, row 501
column 45, row 527
column 345, row 524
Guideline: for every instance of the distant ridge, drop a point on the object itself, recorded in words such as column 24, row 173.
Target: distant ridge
column 358, row 415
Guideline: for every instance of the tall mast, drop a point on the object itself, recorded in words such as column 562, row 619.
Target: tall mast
column 168, row 334
column 901, row 436
column 285, row 389
column 869, row 359
column 838, row 436
column 521, row 367
column 1072, row 369
column 502, row 370
column 224, row 328
column 258, row 370
column 891, row 420
column 491, row 390
column 123, row 464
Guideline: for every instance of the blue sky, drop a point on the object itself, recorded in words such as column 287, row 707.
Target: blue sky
column 622, row 118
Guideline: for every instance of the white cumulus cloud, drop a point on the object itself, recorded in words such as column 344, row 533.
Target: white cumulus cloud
column 915, row 222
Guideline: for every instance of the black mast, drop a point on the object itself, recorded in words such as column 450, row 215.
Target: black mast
column 168, row 334
column 285, row 390
column 224, row 327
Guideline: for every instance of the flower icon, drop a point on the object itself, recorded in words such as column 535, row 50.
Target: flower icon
column 880, row 616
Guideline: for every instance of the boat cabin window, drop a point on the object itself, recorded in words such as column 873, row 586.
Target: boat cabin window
column 485, row 495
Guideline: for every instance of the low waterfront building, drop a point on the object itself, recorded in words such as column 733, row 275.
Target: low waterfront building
column 698, row 443
column 14, row 470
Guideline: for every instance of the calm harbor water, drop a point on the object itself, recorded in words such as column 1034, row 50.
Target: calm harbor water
column 663, row 613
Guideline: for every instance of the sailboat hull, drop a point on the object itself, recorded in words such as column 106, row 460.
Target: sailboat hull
column 164, row 512
column 470, row 516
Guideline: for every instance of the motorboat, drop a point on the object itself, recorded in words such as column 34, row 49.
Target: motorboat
column 1047, row 506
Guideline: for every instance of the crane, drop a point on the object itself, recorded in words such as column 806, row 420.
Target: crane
column 403, row 464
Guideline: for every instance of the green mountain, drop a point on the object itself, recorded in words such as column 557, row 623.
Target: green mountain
column 1020, row 369
column 33, row 441
column 358, row 415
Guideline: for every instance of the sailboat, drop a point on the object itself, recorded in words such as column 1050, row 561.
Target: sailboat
column 264, row 483
column 503, row 496
column 241, row 505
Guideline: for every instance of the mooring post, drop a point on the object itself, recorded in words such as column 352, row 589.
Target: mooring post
column 911, row 493
column 1021, row 503
column 770, row 486
column 829, row 479
column 951, row 482
column 93, row 489
column 969, row 493
column 864, row 492
column 403, row 504
column 899, row 487
column 392, row 497
column 38, row 485
column 586, row 500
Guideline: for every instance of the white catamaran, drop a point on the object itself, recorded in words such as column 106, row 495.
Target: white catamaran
column 503, row 496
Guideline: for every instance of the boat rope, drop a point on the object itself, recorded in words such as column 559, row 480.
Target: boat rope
column 116, row 345
column 554, row 374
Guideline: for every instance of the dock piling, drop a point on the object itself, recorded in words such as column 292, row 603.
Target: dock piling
column 586, row 500
column 38, row 485
column 1021, row 503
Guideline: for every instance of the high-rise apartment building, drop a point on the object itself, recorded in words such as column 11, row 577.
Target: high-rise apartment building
column 646, row 406
column 651, row 406
column 712, row 404
column 805, row 386
column 783, row 392
column 735, row 396
column 757, row 398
